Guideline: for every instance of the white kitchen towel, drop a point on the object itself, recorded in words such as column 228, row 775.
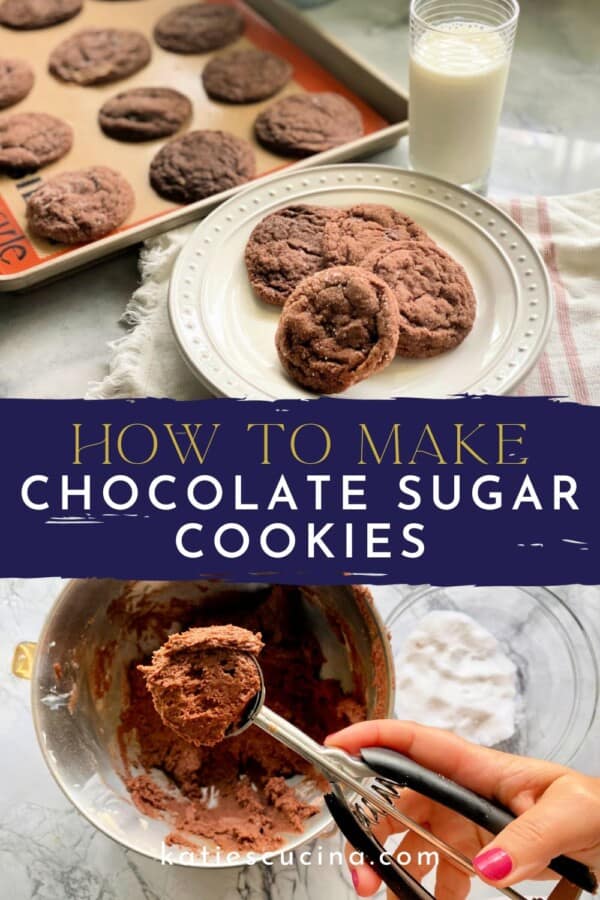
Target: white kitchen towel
column 566, row 230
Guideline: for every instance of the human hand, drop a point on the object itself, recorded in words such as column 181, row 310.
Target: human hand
column 557, row 809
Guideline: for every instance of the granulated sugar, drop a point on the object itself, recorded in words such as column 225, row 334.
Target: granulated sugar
column 452, row 673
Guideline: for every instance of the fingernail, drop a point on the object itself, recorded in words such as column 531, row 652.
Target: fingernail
column 494, row 864
column 354, row 877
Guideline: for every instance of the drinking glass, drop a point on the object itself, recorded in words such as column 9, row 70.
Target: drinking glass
column 460, row 54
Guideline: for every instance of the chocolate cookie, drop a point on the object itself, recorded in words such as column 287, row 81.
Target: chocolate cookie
column 284, row 248
column 143, row 114
column 199, row 164
column 302, row 124
column 99, row 55
column 31, row 140
column 361, row 229
column 198, row 27
column 75, row 207
column 16, row 80
column 29, row 14
column 339, row 326
column 243, row 76
column 435, row 299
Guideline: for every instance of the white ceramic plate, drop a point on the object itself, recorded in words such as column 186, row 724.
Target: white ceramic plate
column 226, row 334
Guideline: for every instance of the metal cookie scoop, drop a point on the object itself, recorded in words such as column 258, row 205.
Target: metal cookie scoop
column 389, row 772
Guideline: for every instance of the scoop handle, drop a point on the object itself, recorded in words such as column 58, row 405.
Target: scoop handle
column 494, row 818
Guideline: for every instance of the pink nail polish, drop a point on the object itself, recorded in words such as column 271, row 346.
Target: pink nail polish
column 494, row 864
column 354, row 877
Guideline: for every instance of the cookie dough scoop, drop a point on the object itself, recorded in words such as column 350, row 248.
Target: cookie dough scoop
column 206, row 684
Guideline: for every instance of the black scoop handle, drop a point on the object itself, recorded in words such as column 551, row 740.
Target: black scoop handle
column 400, row 882
column 407, row 773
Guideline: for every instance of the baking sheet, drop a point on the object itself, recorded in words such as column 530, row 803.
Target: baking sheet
column 25, row 259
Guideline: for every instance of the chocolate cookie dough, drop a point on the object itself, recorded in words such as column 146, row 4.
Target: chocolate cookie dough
column 199, row 164
column 338, row 327
column 351, row 236
column 435, row 299
column 143, row 114
column 243, row 76
column 29, row 14
column 99, row 56
column 16, row 80
column 202, row 681
column 80, row 206
column 29, row 141
column 198, row 27
column 284, row 248
column 236, row 793
column 302, row 124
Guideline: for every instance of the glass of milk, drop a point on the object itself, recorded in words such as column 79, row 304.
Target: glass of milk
column 459, row 58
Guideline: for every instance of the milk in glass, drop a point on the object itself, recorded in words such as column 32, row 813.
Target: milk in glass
column 457, row 79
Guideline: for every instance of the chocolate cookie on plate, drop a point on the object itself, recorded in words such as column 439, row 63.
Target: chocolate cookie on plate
column 99, row 55
column 198, row 27
column 29, row 141
column 284, row 248
column 338, row 327
column 361, row 229
column 244, row 76
column 16, row 80
column 199, row 164
column 436, row 302
column 301, row 124
column 29, row 14
column 75, row 207
column 145, row 113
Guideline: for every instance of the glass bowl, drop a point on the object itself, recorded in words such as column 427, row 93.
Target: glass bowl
column 557, row 669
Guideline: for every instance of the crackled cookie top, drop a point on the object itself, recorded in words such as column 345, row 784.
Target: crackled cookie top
column 436, row 302
column 301, row 124
column 360, row 229
column 339, row 326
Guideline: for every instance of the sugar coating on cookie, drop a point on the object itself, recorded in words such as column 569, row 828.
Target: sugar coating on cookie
column 338, row 327
column 198, row 27
column 350, row 237
column 201, row 163
column 301, row 124
column 285, row 247
column 30, row 14
column 16, row 80
column 144, row 114
column 436, row 302
column 29, row 141
column 244, row 76
column 75, row 207
column 99, row 56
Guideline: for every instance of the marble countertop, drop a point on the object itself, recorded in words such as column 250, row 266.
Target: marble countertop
column 49, row 852
column 53, row 340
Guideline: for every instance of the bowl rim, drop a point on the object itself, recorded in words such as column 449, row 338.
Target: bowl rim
column 47, row 752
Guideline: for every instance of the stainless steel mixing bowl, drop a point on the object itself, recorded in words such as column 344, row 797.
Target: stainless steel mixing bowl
column 76, row 706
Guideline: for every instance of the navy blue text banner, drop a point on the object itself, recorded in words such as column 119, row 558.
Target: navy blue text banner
column 474, row 490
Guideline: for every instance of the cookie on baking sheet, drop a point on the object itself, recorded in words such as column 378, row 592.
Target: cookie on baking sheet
column 198, row 27
column 244, row 76
column 284, row 248
column 361, row 229
column 99, row 55
column 338, row 327
column 29, row 141
column 29, row 14
column 301, row 124
column 436, row 302
column 16, row 80
column 201, row 163
column 144, row 113
column 75, row 207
